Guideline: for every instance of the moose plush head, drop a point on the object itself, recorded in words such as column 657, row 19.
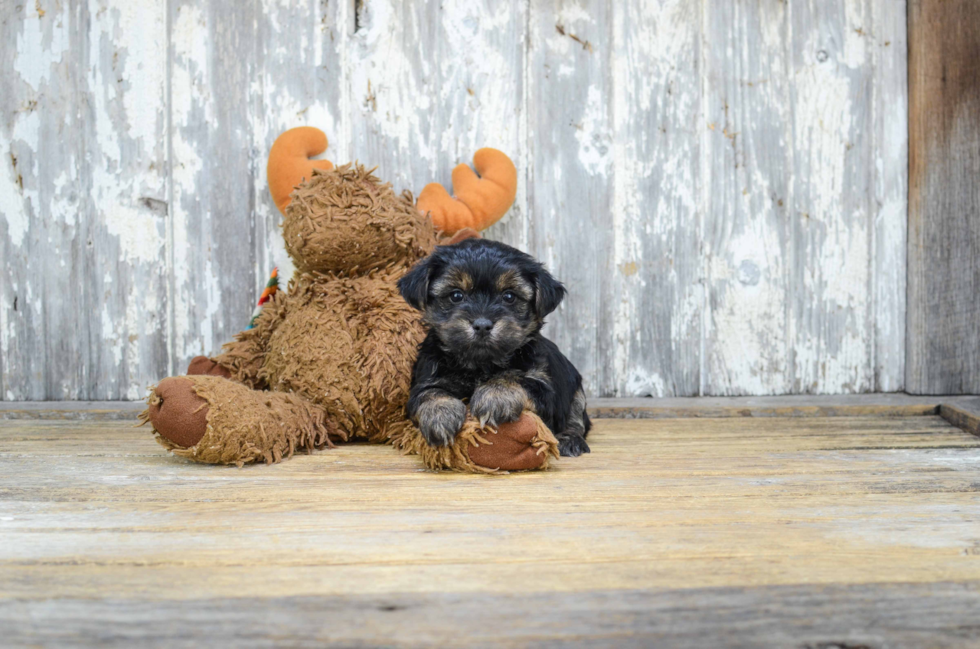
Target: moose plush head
column 345, row 220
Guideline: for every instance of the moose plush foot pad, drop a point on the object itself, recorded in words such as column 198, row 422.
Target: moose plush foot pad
column 204, row 365
column 176, row 413
column 213, row 420
column 524, row 445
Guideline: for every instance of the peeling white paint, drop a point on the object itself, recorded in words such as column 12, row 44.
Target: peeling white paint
column 133, row 39
column 191, row 104
column 387, row 86
column 40, row 50
column 110, row 337
column 40, row 46
column 640, row 383
column 592, row 133
column 891, row 195
column 858, row 29
column 12, row 200
column 688, row 127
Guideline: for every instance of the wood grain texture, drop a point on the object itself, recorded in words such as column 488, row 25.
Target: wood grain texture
column 721, row 187
column 570, row 174
column 747, row 235
column 654, row 275
column 848, row 515
column 943, row 352
column 123, row 223
column 851, row 405
column 430, row 84
column 831, row 188
column 214, row 170
column 800, row 296
column 35, row 74
column 848, row 405
column 963, row 413
column 83, row 183
column 879, row 616
column 890, row 43
column 679, row 503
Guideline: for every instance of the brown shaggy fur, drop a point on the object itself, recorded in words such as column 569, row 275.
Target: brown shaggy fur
column 331, row 358
column 245, row 425
column 528, row 444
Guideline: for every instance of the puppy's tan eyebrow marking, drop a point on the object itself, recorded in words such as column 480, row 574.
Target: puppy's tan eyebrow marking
column 505, row 279
column 513, row 281
column 455, row 278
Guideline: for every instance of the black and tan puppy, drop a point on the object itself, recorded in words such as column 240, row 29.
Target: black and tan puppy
column 484, row 304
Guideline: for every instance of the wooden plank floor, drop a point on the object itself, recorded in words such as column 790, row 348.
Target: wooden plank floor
column 739, row 531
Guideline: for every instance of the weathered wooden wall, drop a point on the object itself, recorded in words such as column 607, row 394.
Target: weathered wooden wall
column 944, row 197
column 721, row 185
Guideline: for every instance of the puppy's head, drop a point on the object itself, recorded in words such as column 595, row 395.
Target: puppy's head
column 483, row 299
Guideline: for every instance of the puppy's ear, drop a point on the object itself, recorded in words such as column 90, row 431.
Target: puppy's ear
column 548, row 292
column 414, row 286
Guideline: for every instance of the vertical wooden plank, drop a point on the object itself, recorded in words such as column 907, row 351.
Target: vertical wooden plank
column 432, row 83
column 301, row 79
column 570, row 142
column 37, row 178
column 747, row 150
column 124, row 203
column 84, row 200
column 829, row 206
column 650, row 322
column 792, row 263
column 890, row 106
column 214, row 167
column 943, row 344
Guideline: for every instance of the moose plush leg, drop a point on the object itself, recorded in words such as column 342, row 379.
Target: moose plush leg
column 523, row 445
column 214, row 420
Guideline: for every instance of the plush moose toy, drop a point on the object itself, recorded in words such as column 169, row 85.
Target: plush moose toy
column 330, row 359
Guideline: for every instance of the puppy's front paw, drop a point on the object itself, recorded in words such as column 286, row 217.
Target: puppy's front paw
column 572, row 445
column 498, row 403
column 440, row 419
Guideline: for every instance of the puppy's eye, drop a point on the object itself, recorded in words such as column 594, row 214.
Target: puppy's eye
column 456, row 296
column 509, row 297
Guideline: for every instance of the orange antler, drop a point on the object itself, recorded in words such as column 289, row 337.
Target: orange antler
column 480, row 200
column 290, row 164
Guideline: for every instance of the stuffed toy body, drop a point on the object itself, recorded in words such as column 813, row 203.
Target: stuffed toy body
column 330, row 359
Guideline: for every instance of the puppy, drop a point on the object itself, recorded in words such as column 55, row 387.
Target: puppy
column 484, row 304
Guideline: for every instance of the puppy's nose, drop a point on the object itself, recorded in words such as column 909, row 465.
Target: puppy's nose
column 482, row 326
